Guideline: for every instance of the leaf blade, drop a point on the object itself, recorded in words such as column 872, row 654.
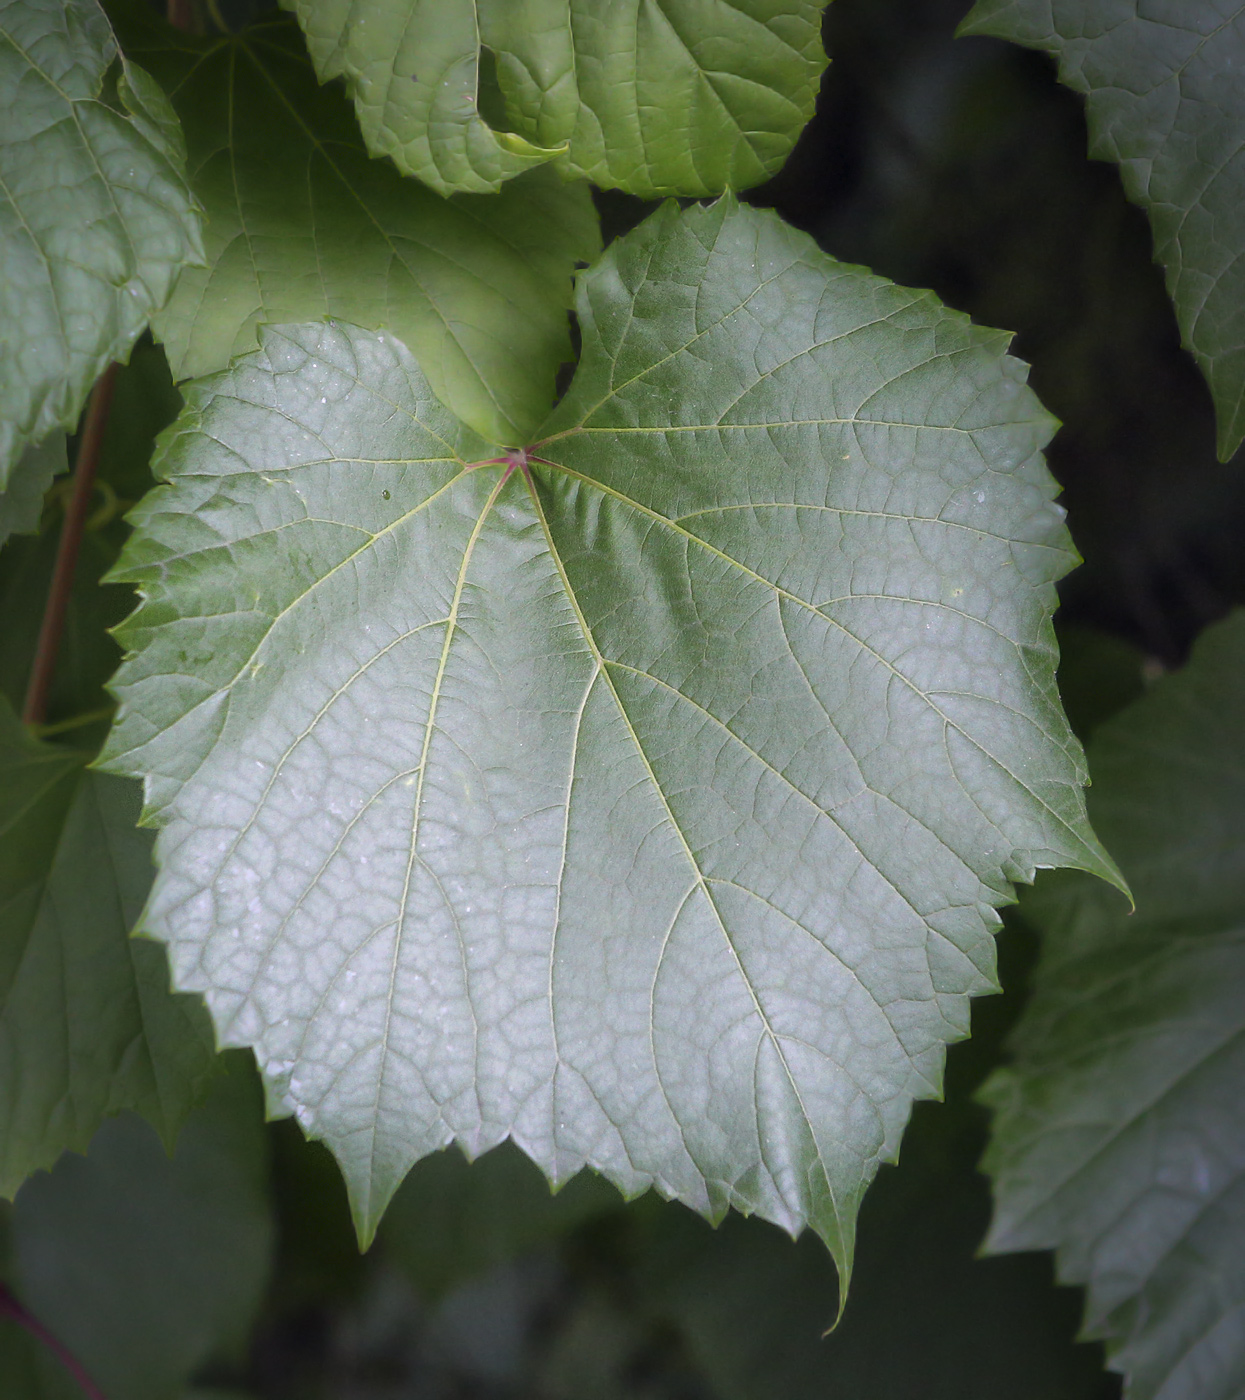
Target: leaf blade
column 677, row 99
column 1129, row 1052
column 89, row 1025
column 21, row 502
column 92, row 252
column 609, row 895
column 303, row 225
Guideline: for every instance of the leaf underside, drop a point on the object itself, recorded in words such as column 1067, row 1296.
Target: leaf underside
column 1118, row 1138
column 647, row 802
column 95, row 217
column 1163, row 83
column 303, row 224
column 684, row 97
column 88, row 1026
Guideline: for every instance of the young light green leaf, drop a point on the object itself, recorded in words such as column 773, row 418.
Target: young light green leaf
column 645, row 798
column 690, row 97
column 95, row 217
column 88, row 1026
column 21, row 501
column 302, row 224
column 1165, row 101
column 1118, row 1138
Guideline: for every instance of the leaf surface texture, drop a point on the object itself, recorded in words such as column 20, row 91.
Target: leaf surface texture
column 302, row 224
column 651, row 811
column 95, row 217
column 1118, row 1137
column 650, row 96
column 1163, row 83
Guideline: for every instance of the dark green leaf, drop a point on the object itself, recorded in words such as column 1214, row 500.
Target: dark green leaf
column 302, row 224
column 452, row 1220
column 687, row 97
column 1163, row 82
column 21, row 502
column 653, row 810
column 1119, row 1138
column 95, row 217
column 88, row 1026
column 143, row 1264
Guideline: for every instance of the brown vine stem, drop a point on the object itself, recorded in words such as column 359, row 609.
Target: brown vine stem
column 35, row 708
column 11, row 1308
column 181, row 15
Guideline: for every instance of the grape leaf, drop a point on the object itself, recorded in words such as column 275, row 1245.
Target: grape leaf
column 145, row 1262
column 95, row 217
column 1164, row 101
column 686, row 97
column 21, row 502
column 302, row 224
column 88, row 1026
column 1118, row 1137
column 643, row 798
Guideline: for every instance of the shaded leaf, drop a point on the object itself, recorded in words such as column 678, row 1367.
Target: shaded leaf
column 88, row 1026
column 301, row 224
column 95, row 217
column 1163, row 82
column 688, row 97
column 21, row 502
column 452, row 1220
column 647, row 802
column 146, row 1264
column 1119, row 1139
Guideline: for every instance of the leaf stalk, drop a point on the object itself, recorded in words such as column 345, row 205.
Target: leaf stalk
column 35, row 709
column 11, row 1308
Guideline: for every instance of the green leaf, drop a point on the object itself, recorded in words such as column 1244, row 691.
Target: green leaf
column 95, row 217
column 688, row 97
column 146, row 1263
column 21, row 502
column 1165, row 101
column 1118, row 1138
column 453, row 1220
column 303, row 225
column 646, row 802
column 88, row 1026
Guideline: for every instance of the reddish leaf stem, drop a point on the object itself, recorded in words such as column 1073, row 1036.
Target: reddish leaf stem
column 11, row 1308
column 180, row 14
column 53, row 626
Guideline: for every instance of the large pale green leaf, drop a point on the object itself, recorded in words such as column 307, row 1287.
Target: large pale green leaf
column 142, row 1261
column 1119, row 1138
column 95, row 217
column 88, row 1026
column 646, row 801
column 1165, row 99
column 302, row 224
column 678, row 97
